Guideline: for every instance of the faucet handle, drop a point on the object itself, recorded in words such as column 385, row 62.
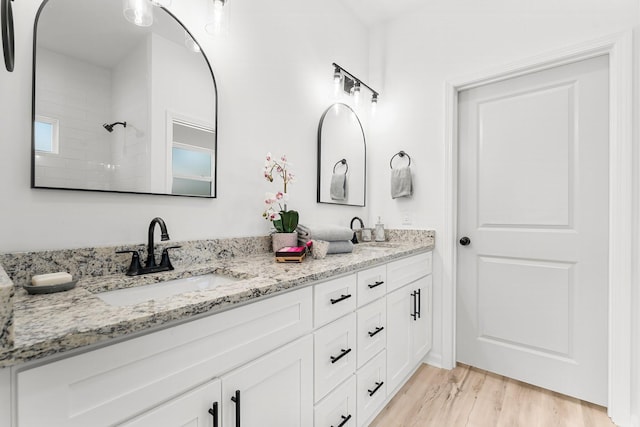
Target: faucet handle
column 134, row 267
column 165, row 261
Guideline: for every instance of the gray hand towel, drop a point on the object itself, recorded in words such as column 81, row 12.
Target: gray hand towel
column 338, row 188
column 330, row 233
column 342, row 247
column 401, row 183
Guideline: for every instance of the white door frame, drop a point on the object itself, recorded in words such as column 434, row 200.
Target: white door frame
column 619, row 49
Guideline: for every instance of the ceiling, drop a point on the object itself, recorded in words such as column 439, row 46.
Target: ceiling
column 372, row 12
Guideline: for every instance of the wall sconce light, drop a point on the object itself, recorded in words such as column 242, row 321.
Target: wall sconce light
column 353, row 85
column 138, row 12
column 219, row 17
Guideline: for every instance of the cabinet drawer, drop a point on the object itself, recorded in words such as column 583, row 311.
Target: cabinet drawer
column 114, row 383
column 335, row 354
column 372, row 332
column 334, row 299
column 372, row 284
column 404, row 271
column 339, row 407
column 371, row 388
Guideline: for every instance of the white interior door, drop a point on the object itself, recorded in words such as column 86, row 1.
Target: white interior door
column 532, row 289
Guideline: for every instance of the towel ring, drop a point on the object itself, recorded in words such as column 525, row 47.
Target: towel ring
column 344, row 162
column 401, row 154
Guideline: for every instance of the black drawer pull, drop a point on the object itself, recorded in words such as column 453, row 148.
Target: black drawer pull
column 419, row 297
column 375, row 285
column 344, row 420
column 378, row 329
column 415, row 306
column 378, row 385
column 334, row 359
column 236, row 399
column 342, row 298
column 214, row 413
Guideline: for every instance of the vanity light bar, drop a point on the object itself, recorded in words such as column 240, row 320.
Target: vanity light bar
column 337, row 75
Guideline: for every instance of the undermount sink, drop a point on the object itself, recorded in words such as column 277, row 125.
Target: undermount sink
column 139, row 294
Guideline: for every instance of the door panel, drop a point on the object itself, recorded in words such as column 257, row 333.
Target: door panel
column 532, row 286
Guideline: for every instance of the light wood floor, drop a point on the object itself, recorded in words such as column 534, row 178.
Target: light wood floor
column 471, row 397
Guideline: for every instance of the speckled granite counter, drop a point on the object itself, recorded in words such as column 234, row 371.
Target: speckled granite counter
column 55, row 323
column 6, row 312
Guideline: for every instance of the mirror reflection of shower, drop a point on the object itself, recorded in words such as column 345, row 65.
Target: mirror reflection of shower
column 109, row 127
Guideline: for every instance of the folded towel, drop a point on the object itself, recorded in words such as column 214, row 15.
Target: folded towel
column 401, row 182
column 330, row 233
column 338, row 190
column 340, row 247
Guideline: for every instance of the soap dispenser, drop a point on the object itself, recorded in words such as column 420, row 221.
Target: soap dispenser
column 379, row 232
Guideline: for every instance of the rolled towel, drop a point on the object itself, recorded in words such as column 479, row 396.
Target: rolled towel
column 330, row 233
column 340, row 247
column 401, row 182
column 338, row 190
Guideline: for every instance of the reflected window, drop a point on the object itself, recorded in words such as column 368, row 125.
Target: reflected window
column 192, row 159
column 45, row 135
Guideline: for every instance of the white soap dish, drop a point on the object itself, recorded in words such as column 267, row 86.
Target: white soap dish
column 50, row 289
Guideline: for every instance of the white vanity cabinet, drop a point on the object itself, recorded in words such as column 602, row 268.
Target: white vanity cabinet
column 330, row 354
column 408, row 329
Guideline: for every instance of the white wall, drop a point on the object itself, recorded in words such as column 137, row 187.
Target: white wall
column 274, row 81
column 412, row 57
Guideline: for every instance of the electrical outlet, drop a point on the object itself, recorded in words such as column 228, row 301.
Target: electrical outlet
column 406, row 218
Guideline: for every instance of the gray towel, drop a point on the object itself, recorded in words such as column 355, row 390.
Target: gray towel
column 330, row 233
column 401, row 183
column 338, row 189
column 341, row 247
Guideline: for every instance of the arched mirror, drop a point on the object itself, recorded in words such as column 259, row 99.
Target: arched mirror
column 120, row 107
column 341, row 157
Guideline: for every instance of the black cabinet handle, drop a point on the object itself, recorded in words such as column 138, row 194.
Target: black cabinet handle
column 375, row 285
column 415, row 306
column 342, row 298
column 344, row 420
column 334, row 359
column 236, row 399
column 378, row 385
column 214, row 413
column 419, row 298
column 378, row 329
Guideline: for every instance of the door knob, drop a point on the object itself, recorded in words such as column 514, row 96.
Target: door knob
column 465, row 241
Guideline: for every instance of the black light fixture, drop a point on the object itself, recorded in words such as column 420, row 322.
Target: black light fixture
column 353, row 85
column 109, row 127
column 8, row 45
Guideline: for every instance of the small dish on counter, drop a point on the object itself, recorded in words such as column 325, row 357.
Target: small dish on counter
column 50, row 289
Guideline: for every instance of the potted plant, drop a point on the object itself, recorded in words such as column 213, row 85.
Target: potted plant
column 284, row 221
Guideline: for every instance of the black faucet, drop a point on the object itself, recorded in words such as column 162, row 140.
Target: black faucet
column 135, row 268
column 354, row 239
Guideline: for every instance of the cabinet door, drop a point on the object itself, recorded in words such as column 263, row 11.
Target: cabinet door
column 274, row 390
column 399, row 336
column 197, row 408
column 421, row 326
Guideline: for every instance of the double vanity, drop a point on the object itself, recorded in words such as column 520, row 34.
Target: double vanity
column 228, row 338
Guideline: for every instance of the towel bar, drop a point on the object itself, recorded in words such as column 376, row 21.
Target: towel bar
column 401, row 154
column 344, row 162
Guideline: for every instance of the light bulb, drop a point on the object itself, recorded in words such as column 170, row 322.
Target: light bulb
column 374, row 103
column 337, row 75
column 138, row 12
column 219, row 17
column 356, row 93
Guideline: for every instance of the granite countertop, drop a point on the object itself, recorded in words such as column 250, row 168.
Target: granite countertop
column 54, row 323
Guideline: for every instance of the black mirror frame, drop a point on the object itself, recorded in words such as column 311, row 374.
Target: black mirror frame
column 214, row 194
column 364, row 141
column 8, row 42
